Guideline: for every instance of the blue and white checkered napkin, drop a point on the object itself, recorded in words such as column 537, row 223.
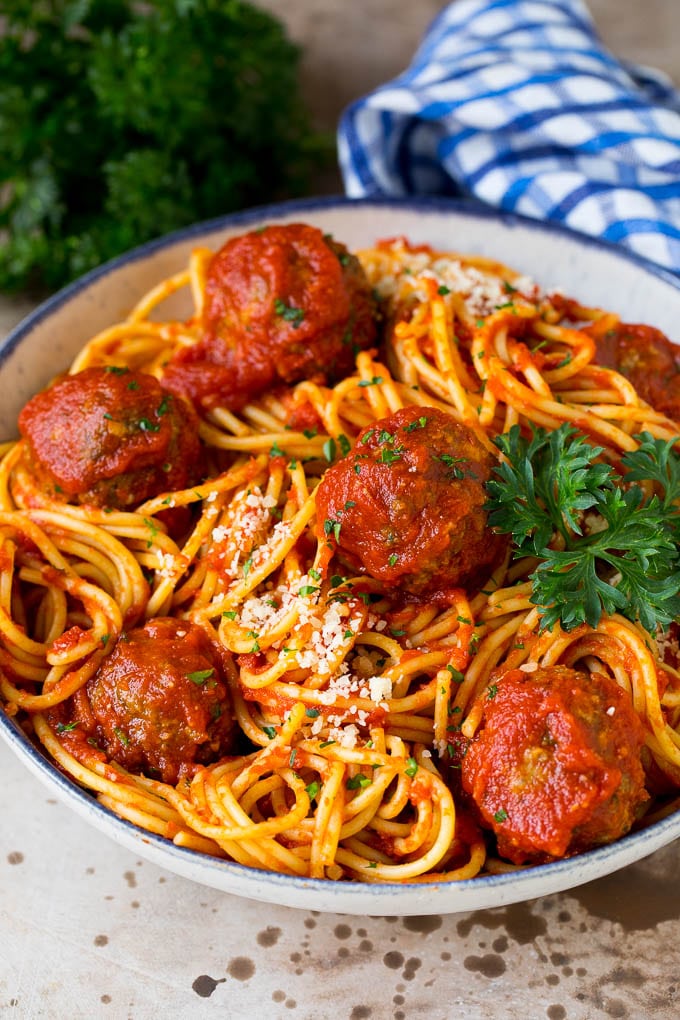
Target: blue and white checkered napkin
column 519, row 104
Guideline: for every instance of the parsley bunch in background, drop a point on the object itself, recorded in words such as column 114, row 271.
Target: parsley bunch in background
column 120, row 121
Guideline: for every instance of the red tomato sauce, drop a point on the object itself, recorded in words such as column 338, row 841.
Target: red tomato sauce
column 111, row 437
column 282, row 304
column 159, row 702
column 555, row 767
column 406, row 504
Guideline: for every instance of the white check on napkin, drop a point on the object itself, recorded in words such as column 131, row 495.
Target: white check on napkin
column 518, row 104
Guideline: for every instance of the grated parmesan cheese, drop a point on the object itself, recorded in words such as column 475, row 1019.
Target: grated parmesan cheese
column 482, row 292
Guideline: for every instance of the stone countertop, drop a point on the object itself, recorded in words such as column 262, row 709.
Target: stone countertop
column 88, row 930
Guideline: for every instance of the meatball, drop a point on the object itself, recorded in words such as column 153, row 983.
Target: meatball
column 281, row 304
column 406, row 505
column 648, row 358
column 160, row 701
column 111, row 437
column 555, row 767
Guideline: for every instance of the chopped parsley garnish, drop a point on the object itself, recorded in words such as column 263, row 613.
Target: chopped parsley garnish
column 388, row 456
column 66, row 727
column 412, row 767
column 312, row 789
column 289, row 313
column 331, row 527
column 308, row 589
column 500, row 816
column 443, row 290
column 153, row 528
column 200, row 676
column 344, row 444
column 312, row 713
column 358, row 782
column 329, row 449
column 144, row 425
column 419, row 423
column 230, row 614
column 375, row 381
column 392, row 560
column 122, row 736
column 270, row 731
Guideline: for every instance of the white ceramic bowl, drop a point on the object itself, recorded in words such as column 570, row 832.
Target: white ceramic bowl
column 45, row 343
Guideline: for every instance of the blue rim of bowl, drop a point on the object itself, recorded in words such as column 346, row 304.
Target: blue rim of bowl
column 665, row 830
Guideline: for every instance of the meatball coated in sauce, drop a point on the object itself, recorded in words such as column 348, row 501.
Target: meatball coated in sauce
column 160, row 701
column 406, row 505
column 281, row 304
column 648, row 358
column 111, row 437
column 555, row 766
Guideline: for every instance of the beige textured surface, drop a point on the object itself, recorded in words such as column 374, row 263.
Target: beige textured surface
column 88, row 931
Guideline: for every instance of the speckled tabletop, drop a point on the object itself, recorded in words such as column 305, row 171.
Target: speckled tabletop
column 88, row 930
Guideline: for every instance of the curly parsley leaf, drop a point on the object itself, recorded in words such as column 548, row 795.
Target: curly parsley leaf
column 631, row 566
column 655, row 460
column 546, row 482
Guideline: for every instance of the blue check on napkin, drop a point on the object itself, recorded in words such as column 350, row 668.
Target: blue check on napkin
column 519, row 104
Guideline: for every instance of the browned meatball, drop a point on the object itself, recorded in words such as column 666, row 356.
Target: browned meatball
column 111, row 437
column 406, row 505
column 555, row 766
column 281, row 304
column 645, row 356
column 160, row 701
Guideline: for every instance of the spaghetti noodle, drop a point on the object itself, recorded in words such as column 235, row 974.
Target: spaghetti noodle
column 351, row 698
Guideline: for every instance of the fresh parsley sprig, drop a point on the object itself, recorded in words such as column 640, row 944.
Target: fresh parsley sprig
column 632, row 566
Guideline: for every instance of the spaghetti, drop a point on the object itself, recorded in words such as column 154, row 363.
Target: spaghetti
column 350, row 701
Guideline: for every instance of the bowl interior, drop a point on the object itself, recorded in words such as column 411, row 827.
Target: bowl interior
column 45, row 343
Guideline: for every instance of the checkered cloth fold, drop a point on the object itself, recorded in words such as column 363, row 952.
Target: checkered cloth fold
column 518, row 104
